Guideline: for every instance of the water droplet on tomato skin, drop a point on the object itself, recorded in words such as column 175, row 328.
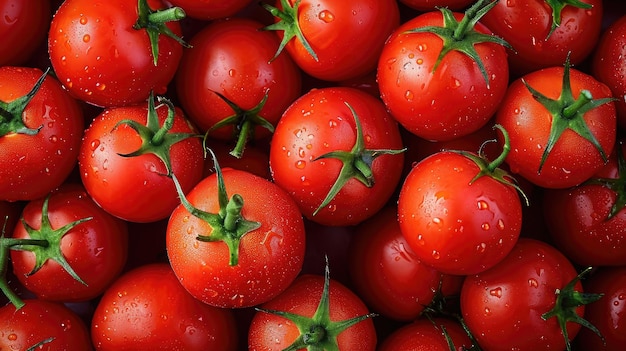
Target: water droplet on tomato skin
column 533, row 282
column 12, row 337
column 326, row 16
column 496, row 292
column 436, row 255
column 300, row 164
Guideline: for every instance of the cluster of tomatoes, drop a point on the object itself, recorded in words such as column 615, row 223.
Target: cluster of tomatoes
column 312, row 175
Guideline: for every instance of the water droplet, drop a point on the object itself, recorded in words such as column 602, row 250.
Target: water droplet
column 411, row 56
column 438, row 221
column 100, row 86
column 326, row 16
column 66, row 325
column 53, row 138
column 497, row 292
column 485, row 226
column 456, row 83
column 436, row 255
column 105, row 164
column 408, row 95
column 300, row 164
column 500, row 224
column 332, row 123
column 332, row 207
column 482, row 205
column 420, row 239
column 422, row 47
column 481, row 247
column 419, row 61
column 83, row 20
column 86, row 38
column 98, row 251
column 533, row 282
column 487, row 311
column 301, row 152
column 231, row 72
column 12, row 337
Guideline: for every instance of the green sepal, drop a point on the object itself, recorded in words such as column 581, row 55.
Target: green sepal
column 318, row 333
column 461, row 36
column 155, row 24
column 40, row 344
column 567, row 300
column 618, row 185
column 243, row 122
column 288, row 23
column 11, row 112
column 357, row 163
column 156, row 139
column 228, row 225
column 557, row 7
column 567, row 113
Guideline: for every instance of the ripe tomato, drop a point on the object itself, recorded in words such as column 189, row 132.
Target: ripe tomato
column 386, row 273
column 23, row 27
column 432, row 86
column 147, row 308
column 51, row 325
column 562, row 126
column 39, row 134
column 507, row 306
column 455, row 222
column 239, row 252
column 544, row 33
column 427, row 335
column 314, row 313
column 81, row 235
column 136, row 187
column 229, row 85
column 211, row 9
column 100, row 57
column 323, row 36
column 337, row 152
column 609, row 66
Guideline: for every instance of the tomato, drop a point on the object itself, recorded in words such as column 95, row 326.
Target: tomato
column 255, row 159
column 211, row 9
column 338, row 153
column 147, row 308
column 127, row 154
column 544, row 33
column 386, row 273
column 323, row 36
column 607, row 314
column 314, row 313
column 431, row 84
column 100, row 57
column 458, row 214
column 427, row 335
column 48, row 325
column 510, row 306
column 609, row 67
column 428, row 5
column 39, row 136
column 229, row 85
column 23, row 27
column 587, row 222
column 562, row 126
column 240, row 252
column 81, row 235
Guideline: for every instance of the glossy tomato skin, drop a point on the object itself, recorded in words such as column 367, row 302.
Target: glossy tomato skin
column 320, row 122
column 101, row 59
column 346, row 36
column 573, row 159
column 526, row 25
column 269, row 332
column 147, row 308
column 386, row 273
column 136, row 188
column 609, row 67
column 23, row 27
column 40, row 320
column 234, row 58
column 579, row 224
column 455, row 225
column 270, row 257
column 424, row 334
column 96, row 249
column 503, row 306
column 211, row 9
column 606, row 314
column 450, row 102
column 33, row 165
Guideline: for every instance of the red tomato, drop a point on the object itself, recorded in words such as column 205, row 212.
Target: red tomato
column 453, row 222
column 609, row 66
column 427, row 335
column 441, row 98
column 335, row 40
column 544, row 33
column 100, row 58
column 91, row 241
column 317, row 304
column 233, row 58
column 211, row 9
column 592, row 233
column 608, row 313
column 137, row 188
column 147, row 308
column 562, row 126
column 505, row 307
column 317, row 149
column 386, row 273
column 23, row 27
column 255, row 159
column 51, row 325
column 39, row 139
column 243, row 264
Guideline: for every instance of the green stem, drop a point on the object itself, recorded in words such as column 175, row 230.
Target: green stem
column 167, row 15
column 571, row 110
column 5, row 246
column 246, row 129
column 233, row 212
column 159, row 136
column 506, row 148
